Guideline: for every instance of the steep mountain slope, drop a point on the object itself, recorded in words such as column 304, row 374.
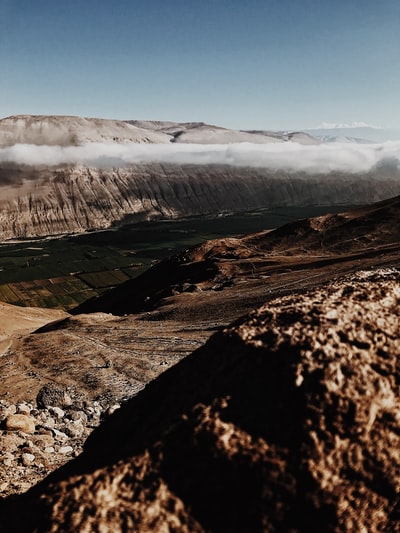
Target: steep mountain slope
column 286, row 421
column 366, row 228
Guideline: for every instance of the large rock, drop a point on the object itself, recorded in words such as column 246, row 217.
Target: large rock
column 286, row 421
column 52, row 396
column 23, row 423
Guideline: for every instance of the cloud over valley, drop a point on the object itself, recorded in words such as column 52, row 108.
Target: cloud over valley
column 291, row 156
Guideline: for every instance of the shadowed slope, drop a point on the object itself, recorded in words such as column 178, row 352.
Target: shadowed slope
column 349, row 232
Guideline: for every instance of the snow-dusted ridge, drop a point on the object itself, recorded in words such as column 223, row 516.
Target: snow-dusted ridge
column 356, row 132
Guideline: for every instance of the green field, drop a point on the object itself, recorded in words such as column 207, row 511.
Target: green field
column 64, row 272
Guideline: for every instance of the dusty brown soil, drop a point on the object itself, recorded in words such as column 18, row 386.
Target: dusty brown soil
column 97, row 356
column 16, row 322
column 106, row 357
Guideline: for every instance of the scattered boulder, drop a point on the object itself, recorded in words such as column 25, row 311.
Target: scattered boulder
column 23, row 409
column 42, row 440
column 8, row 459
column 74, row 429
column 10, row 442
column 6, row 410
column 78, row 415
column 27, row 458
column 52, row 396
column 17, row 422
column 66, row 449
column 57, row 412
column 34, row 444
column 111, row 410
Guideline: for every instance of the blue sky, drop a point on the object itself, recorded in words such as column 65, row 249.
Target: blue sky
column 267, row 64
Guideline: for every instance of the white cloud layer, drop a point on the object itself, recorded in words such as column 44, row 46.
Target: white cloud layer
column 346, row 157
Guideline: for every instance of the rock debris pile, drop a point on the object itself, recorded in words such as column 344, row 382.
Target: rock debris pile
column 37, row 439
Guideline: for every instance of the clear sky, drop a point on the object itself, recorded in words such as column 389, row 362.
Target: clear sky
column 275, row 64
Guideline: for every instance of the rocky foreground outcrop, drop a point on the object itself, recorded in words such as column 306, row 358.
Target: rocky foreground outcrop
column 286, row 421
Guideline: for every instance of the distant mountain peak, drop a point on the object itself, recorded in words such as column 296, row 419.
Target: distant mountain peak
column 349, row 125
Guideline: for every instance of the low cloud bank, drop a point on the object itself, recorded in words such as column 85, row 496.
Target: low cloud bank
column 343, row 157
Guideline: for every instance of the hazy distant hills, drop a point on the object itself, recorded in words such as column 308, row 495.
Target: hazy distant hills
column 198, row 132
column 357, row 134
column 48, row 187
column 68, row 130
column 71, row 131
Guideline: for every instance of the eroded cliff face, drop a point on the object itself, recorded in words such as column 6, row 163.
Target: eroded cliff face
column 44, row 201
column 288, row 420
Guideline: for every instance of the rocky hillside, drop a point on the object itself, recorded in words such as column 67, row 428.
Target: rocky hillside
column 181, row 301
column 73, row 131
column 285, row 421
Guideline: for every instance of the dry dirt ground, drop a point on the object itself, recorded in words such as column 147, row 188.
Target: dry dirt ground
column 16, row 322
